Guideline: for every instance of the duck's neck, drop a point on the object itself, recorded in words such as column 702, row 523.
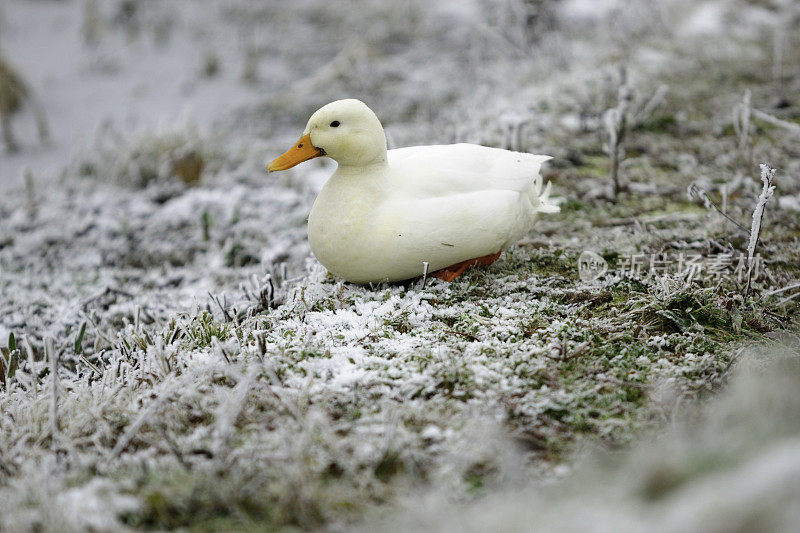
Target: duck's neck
column 379, row 165
column 355, row 185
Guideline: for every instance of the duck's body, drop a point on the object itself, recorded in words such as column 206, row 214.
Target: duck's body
column 383, row 214
column 436, row 204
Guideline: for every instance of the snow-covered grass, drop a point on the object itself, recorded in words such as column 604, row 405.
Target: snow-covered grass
column 730, row 463
column 180, row 360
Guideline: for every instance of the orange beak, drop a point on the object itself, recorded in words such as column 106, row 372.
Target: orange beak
column 302, row 150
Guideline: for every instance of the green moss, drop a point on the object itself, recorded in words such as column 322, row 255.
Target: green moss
column 200, row 503
column 592, row 166
column 389, row 466
column 559, row 262
column 478, row 474
column 399, row 322
column 665, row 123
column 237, row 500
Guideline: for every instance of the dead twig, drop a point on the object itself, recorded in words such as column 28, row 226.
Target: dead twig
column 693, row 191
column 52, row 358
column 768, row 189
column 791, row 127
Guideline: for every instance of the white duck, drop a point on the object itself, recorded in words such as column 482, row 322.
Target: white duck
column 383, row 214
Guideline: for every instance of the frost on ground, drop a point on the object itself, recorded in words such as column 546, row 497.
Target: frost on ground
column 211, row 375
column 730, row 465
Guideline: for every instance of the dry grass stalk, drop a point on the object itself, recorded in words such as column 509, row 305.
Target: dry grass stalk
column 768, row 189
column 14, row 94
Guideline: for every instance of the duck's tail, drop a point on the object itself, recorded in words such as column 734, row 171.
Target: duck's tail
column 541, row 200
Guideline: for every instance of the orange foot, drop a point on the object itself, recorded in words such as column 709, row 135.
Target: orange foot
column 453, row 271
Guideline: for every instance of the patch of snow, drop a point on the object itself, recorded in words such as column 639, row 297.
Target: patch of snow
column 95, row 506
column 707, row 18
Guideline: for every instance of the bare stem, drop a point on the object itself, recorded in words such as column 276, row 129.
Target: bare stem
column 52, row 358
column 768, row 189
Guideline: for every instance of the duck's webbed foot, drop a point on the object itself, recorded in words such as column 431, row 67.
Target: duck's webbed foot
column 453, row 271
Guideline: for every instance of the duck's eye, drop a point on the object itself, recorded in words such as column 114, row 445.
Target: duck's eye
column 335, row 124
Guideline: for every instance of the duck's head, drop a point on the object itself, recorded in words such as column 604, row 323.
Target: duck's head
column 347, row 131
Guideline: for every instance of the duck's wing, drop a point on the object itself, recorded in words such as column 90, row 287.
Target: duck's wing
column 443, row 170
